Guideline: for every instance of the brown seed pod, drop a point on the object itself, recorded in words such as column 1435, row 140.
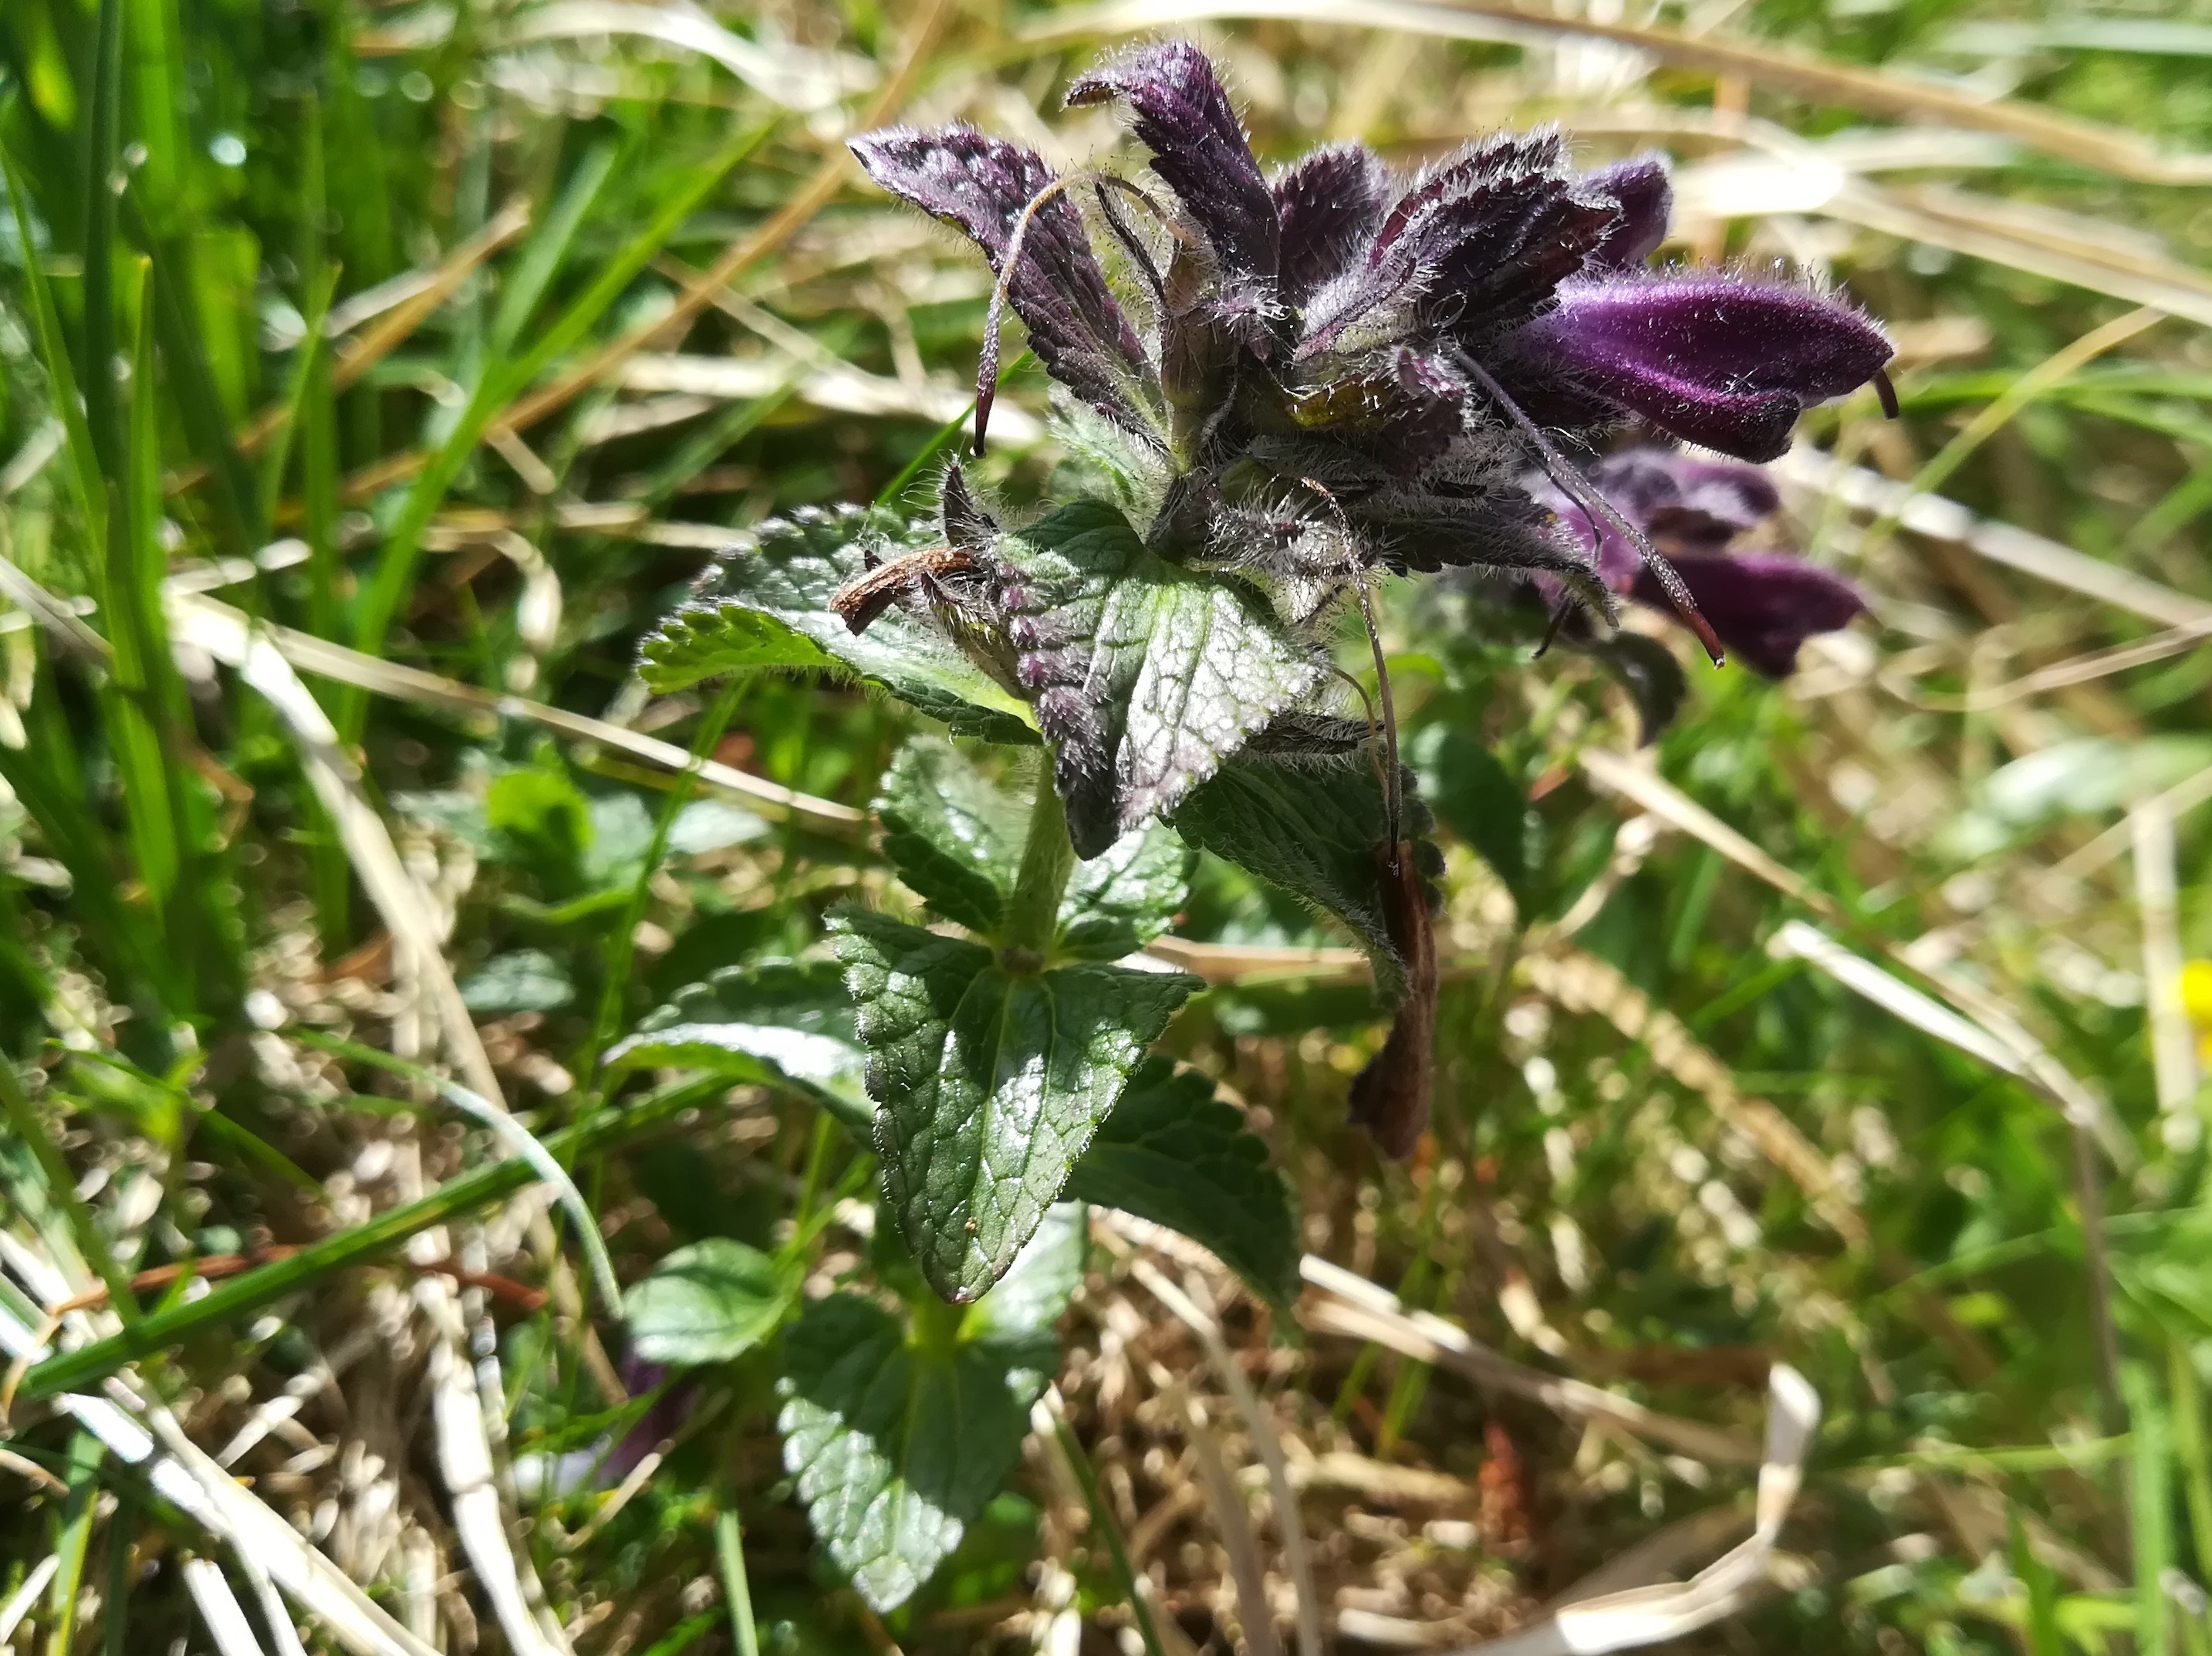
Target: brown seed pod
column 924, row 574
column 1390, row 1095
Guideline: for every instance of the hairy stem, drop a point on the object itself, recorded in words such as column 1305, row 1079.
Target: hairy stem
column 1047, row 858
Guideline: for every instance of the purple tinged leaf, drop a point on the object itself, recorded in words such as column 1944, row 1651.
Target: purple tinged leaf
column 1712, row 359
column 1639, row 190
column 659, row 1422
column 1331, row 202
column 982, row 186
column 1762, row 605
column 1504, row 266
column 1184, row 117
column 1481, row 241
column 1501, row 161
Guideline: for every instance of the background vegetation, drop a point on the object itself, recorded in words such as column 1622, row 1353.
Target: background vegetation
column 375, row 375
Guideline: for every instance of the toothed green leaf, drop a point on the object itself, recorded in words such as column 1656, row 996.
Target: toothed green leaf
column 1313, row 827
column 1174, row 1154
column 708, row 1303
column 956, row 839
column 768, row 606
column 1149, row 674
column 899, row 1437
column 1126, row 896
column 780, row 1021
column 989, row 1083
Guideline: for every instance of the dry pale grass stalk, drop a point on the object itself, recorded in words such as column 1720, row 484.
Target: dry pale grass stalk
column 387, row 314
column 1630, row 1619
column 1234, row 1524
column 464, row 1463
column 1825, row 80
column 1289, row 1523
column 2172, row 1042
column 1582, row 982
column 793, row 76
column 1351, row 1306
column 1938, row 518
column 18, row 1606
column 390, row 678
column 838, row 388
column 220, row 1609
column 1996, row 1030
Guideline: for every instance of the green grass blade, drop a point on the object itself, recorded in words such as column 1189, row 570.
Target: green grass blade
column 524, row 289
column 86, row 479
column 28, row 1129
column 73, row 1539
column 2189, row 1454
column 122, row 1526
column 100, row 158
column 394, row 574
column 2150, row 1498
column 622, row 942
column 2043, row 1636
column 309, row 371
column 51, row 788
column 192, row 383
column 737, row 1593
column 157, row 65
column 138, row 706
column 251, row 1290
column 1101, row 1519
column 941, row 440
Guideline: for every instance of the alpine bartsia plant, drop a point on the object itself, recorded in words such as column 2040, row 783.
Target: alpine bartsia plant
column 1274, row 390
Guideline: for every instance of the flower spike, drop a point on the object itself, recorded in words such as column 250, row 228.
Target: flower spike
column 1764, row 605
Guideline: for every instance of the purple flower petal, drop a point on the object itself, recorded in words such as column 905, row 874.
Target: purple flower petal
column 982, row 185
column 1686, row 502
column 1712, row 359
column 659, row 1422
column 1330, row 202
column 1762, row 605
column 1638, row 188
column 1686, row 506
column 1184, row 117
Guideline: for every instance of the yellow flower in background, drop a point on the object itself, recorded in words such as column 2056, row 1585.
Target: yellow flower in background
column 2196, row 1001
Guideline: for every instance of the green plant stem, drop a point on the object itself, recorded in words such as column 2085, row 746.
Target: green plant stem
column 1047, row 859
column 735, row 1591
column 944, row 436
column 2188, row 1428
column 1102, row 1520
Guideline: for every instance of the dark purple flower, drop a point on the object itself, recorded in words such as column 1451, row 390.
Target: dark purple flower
column 1712, row 359
column 1639, row 190
column 662, row 1419
column 1342, row 370
column 1764, row 605
column 1330, row 203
